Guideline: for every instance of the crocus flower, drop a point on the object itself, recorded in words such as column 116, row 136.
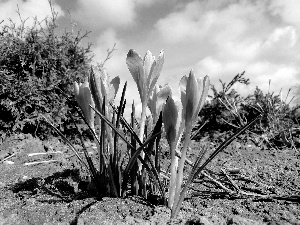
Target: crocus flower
column 145, row 73
column 193, row 94
column 84, row 99
column 101, row 87
column 158, row 98
column 172, row 120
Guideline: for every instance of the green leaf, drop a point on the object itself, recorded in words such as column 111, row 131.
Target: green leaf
column 195, row 172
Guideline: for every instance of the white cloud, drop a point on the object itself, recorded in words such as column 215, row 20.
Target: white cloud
column 181, row 26
column 116, row 65
column 283, row 76
column 284, row 37
column 230, row 37
column 105, row 13
column 196, row 20
column 281, row 46
column 145, row 2
column 287, row 10
column 106, row 41
column 210, row 65
column 219, row 69
column 98, row 15
column 28, row 10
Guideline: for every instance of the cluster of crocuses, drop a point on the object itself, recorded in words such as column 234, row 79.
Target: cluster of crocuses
column 178, row 117
column 97, row 91
column 96, row 94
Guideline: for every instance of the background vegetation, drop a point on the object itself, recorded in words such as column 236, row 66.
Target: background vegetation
column 228, row 110
column 35, row 61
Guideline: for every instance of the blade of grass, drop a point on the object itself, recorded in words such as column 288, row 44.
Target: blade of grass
column 128, row 127
column 103, row 159
column 112, row 126
column 228, row 141
column 141, row 148
column 194, row 134
column 157, row 154
column 119, row 114
column 133, row 159
column 74, row 106
column 212, row 156
column 133, row 172
column 92, row 168
column 157, row 129
column 91, row 165
column 68, row 142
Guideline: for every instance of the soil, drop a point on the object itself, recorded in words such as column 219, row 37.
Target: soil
column 256, row 186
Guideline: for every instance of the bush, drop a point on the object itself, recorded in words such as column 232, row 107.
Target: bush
column 227, row 111
column 217, row 112
column 278, row 121
column 34, row 63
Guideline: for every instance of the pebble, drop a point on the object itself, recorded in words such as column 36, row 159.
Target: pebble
column 239, row 220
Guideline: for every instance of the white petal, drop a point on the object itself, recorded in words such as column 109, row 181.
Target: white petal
column 149, row 59
column 192, row 97
column 135, row 65
column 156, row 70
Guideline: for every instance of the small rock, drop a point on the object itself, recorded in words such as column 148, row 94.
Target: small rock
column 132, row 220
column 9, row 162
column 2, row 185
column 25, row 178
column 202, row 220
column 239, row 220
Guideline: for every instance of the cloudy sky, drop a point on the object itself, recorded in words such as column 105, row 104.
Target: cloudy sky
column 217, row 37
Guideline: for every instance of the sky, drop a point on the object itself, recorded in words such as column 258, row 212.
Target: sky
column 219, row 38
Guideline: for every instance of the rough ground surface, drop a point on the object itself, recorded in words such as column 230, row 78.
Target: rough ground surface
column 267, row 189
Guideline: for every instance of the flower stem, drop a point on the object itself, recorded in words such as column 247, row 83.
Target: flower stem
column 173, row 170
column 179, row 179
column 142, row 130
column 143, row 121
